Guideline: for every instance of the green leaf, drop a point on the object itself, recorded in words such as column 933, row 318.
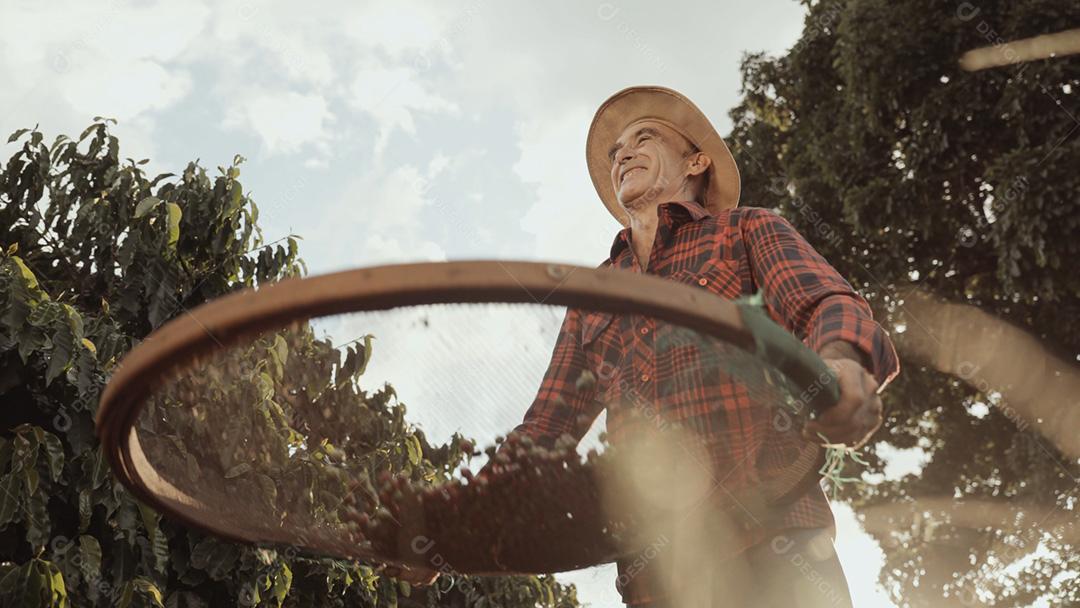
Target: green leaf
column 87, row 131
column 32, row 480
column 100, row 470
column 158, row 543
column 279, row 355
column 90, row 557
column 366, row 355
column 27, row 275
column 140, row 593
column 236, row 199
column 57, row 588
column 86, row 510
column 34, row 585
column 282, row 583
column 282, row 349
column 75, row 320
column 216, row 558
column 25, row 449
column 89, row 345
column 114, row 149
column 412, row 443
column 9, row 577
column 174, row 223
column 54, row 451
column 60, row 357
column 348, row 367
column 238, row 470
column 17, row 135
column 146, row 205
column 42, row 315
column 37, row 520
column 10, row 492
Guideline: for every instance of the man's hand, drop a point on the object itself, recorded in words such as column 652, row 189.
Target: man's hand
column 857, row 415
column 421, row 577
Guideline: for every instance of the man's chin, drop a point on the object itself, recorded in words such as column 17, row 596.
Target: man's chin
column 631, row 200
column 635, row 200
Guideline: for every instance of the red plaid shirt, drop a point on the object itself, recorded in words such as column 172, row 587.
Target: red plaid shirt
column 738, row 252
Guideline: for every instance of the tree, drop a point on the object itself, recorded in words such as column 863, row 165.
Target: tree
column 909, row 175
column 95, row 256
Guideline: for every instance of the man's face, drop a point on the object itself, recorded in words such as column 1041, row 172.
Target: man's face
column 646, row 159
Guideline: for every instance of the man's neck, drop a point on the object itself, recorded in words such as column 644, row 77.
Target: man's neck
column 643, row 225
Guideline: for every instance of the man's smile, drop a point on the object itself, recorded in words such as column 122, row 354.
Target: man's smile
column 626, row 172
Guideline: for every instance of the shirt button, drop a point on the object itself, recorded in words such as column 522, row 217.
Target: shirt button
column 644, row 330
column 703, row 281
column 644, row 377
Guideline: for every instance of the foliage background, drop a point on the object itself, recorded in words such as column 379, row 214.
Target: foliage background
column 910, row 175
column 97, row 255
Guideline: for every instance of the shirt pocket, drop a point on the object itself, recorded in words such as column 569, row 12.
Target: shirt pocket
column 717, row 276
column 602, row 347
column 593, row 325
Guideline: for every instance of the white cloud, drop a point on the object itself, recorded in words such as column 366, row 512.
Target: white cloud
column 288, row 37
column 56, row 33
column 382, row 248
column 123, row 90
column 65, row 62
column 393, row 201
column 379, row 218
column 439, row 163
column 397, row 27
column 392, row 95
column 284, row 120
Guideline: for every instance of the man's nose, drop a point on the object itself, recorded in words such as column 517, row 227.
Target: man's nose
column 624, row 155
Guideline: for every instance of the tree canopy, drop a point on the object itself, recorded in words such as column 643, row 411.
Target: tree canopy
column 915, row 179
column 96, row 255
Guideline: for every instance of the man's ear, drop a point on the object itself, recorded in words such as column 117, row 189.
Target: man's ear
column 699, row 163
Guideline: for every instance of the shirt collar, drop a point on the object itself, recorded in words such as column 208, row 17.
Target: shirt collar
column 670, row 215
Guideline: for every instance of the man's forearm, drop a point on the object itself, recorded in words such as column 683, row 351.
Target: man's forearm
column 839, row 349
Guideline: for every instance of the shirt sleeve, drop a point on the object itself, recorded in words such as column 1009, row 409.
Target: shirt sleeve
column 807, row 295
column 566, row 401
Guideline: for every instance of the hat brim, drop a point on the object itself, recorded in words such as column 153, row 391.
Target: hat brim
column 665, row 105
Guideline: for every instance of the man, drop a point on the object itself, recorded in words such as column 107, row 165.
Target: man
column 663, row 171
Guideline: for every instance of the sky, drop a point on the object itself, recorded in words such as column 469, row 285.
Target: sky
column 394, row 131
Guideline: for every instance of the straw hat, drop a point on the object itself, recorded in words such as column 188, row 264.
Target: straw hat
column 672, row 109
